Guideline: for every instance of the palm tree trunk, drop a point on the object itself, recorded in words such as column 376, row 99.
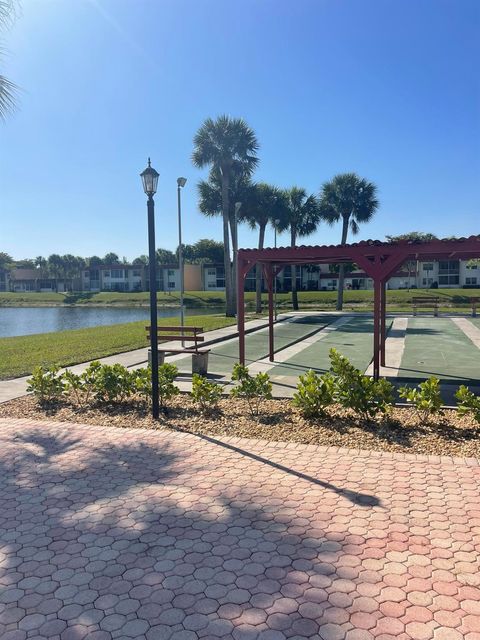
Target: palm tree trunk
column 294, row 275
column 341, row 270
column 258, row 271
column 234, row 236
column 230, row 304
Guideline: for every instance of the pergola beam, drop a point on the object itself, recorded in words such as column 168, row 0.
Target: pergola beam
column 379, row 260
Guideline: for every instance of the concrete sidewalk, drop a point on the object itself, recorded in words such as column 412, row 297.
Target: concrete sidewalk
column 17, row 387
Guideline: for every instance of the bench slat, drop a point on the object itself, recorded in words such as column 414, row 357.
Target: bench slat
column 179, row 328
column 167, row 338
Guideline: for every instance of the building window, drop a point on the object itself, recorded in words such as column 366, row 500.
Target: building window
column 448, row 280
column 428, row 266
column 471, row 281
column 171, row 272
column 137, row 273
column 106, row 274
column 117, row 273
column 171, row 285
column 211, row 272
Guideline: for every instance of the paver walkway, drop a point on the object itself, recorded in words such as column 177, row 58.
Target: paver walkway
column 109, row 533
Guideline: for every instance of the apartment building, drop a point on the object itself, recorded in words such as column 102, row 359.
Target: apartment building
column 114, row 277
column 211, row 277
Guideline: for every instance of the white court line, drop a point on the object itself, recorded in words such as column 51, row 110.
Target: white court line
column 469, row 329
column 261, row 366
column 394, row 348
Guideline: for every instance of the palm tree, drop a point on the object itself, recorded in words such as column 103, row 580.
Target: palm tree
column 264, row 205
column 7, row 88
column 55, row 267
column 228, row 146
column 301, row 217
column 351, row 199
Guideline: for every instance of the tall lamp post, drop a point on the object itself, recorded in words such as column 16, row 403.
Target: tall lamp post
column 275, row 225
column 238, row 206
column 181, row 182
column 150, row 181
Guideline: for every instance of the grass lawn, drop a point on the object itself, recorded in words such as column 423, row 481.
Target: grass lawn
column 401, row 299
column 19, row 355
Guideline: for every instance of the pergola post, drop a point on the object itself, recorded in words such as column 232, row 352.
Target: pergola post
column 383, row 327
column 269, row 281
column 241, row 310
column 377, row 310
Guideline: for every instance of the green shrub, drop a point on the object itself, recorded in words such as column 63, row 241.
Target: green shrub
column 314, row 393
column 254, row 389
column 89, row 379
column 73, row 384
column 167, row 373
column 112, row 383
column 205, row 393
column 142, row 382
column 468, row 402
column 426, row 398
column 46, row 383
column 358, row 392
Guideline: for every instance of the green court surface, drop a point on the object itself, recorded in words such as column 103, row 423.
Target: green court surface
column 438, row 347
column 353, row 339
column 224, row 355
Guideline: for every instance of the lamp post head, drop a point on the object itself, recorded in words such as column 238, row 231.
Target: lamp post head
column 150, row 180
column 181, row 182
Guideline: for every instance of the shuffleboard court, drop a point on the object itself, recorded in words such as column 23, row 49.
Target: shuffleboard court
column 224, row 355
column 354, row 339
column 438, row 347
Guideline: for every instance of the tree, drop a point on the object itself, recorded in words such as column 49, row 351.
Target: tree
column 141, row 261
column 206, row 250
column 7, row 88
column 6, row 261
column 165, row 256
column 351, row 200
column 228, row 146
column 55, row 267
column 301, row 217
column 93, row 261
column 412, row 236
column 264, row 206
column 111, row 258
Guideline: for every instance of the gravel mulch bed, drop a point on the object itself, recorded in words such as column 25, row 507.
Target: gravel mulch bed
column 401, row 431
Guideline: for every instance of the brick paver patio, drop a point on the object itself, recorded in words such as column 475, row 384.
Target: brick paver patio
column 109, row 533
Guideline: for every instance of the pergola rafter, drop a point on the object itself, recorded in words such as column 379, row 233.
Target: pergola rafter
column 379, row 260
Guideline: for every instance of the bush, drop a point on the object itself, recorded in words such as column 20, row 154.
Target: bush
column 468, row 402
column 314, row 393
column 166, row 389
column 142, row 382
column 205, row 393
column 73, row 384
column 46, row 383
column 112, row 383
column 254, row 389
column 358, row 392
column 426, row 398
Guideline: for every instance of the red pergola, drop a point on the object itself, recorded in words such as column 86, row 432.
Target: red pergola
column 379, row 260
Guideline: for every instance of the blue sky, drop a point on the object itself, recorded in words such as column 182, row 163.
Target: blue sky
column 389, row 89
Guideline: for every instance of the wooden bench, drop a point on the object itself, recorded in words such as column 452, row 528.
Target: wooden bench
column 425, row 302
column 182, row 334
column 474, row 302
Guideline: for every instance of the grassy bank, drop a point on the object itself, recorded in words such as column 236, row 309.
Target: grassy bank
column 19, row 355
column 401, row 299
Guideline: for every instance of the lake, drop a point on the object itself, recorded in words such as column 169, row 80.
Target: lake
column 22, row 321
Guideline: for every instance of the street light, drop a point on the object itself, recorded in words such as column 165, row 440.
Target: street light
column 150, row 181
column 275, row 225
column 181, row 182
column 238, row 206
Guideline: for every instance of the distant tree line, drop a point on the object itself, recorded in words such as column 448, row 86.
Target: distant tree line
column 68, row 268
